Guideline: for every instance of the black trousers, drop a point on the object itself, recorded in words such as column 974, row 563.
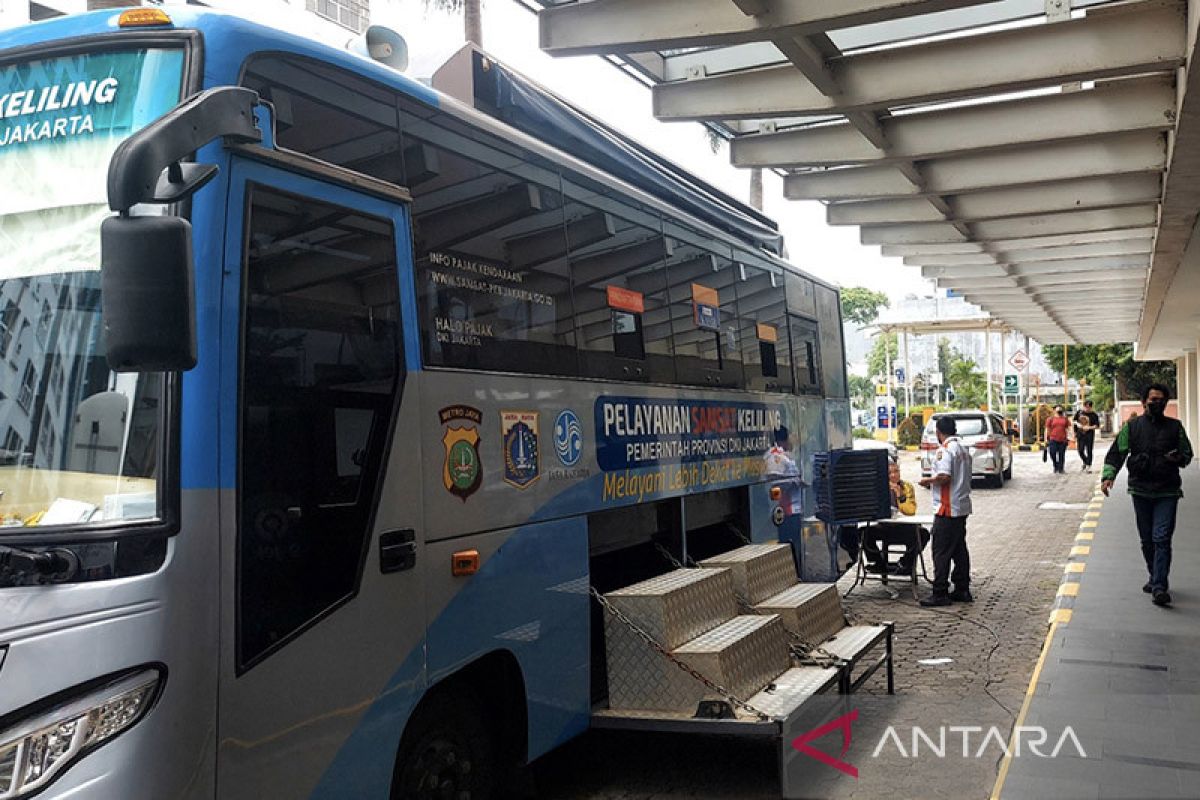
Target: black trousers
column 950, row 545
column 1084, row 442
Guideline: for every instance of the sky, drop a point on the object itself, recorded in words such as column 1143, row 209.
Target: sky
column 510, row 35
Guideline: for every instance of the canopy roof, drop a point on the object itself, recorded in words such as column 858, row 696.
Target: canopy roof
column 1032, row 155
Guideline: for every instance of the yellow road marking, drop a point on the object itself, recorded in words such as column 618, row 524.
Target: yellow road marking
column 1033, row 680
column 1080, row 550
column 1076, row 567
column 1089, row 524
column 1069, row 589
column 1085, row 537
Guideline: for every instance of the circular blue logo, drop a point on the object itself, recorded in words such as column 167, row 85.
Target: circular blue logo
column 568, row 438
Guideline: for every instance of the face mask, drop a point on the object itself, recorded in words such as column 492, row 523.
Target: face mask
column 1156, row 407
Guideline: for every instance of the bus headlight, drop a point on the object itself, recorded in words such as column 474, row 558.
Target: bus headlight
column 37, row 748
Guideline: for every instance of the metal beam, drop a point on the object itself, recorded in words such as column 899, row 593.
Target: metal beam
column 1127, row 247
column 1142, row 37
column 1119, row 190
column 1081, row 265
column 1143, row 104
column 917, row 233
column 1068, row 222
column 1033, row 243
column 904, row 250
column 988, row 270
column 1121, row 154
column 629, row 26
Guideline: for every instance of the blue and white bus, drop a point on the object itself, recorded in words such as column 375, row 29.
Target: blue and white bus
column 305, row 490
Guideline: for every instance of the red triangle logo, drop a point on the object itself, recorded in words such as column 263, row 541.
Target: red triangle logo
column 801, row 743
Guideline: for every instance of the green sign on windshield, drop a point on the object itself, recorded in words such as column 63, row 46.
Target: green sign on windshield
column 60, row 121
column 103, row 94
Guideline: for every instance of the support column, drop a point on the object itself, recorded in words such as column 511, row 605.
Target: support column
column 907, row 378
column 988, row 338
column 891, row 383
column 1183, row 389
column 1003, row 372
column 1193, row 371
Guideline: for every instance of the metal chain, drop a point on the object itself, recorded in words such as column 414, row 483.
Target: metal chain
column 669, row 556
column 800, row 649
column 738, row 533
column 650, row 640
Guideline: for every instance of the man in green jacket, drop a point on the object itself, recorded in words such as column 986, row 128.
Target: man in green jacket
column 1155, row 447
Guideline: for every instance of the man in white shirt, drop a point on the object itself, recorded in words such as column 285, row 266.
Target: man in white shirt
column 950, row 483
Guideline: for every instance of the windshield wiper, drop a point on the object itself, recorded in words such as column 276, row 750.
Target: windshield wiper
column 56, row 565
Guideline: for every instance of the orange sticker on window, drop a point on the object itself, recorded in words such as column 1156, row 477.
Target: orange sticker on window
column 767, row 333
column 625, row 299
column 705, row 295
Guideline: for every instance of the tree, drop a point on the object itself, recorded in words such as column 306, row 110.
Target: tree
column 1102, row 364
column 862, row 392
column 963, row 375
column 472, row 17
column 877, row 359
column 861, row 305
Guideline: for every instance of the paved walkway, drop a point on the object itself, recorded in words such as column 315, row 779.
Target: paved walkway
column 1121, row 672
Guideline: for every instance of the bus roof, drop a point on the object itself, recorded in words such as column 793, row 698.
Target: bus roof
column 229, row 39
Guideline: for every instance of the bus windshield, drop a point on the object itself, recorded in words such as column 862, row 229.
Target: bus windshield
column 78, row 443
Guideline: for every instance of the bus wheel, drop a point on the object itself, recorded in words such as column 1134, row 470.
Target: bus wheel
column 446, row 754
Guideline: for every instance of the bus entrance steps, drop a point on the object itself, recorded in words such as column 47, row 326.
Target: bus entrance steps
column 728, row 630
column 735, row 646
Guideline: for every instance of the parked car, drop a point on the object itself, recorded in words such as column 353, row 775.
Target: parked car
column 875, row 444
column 984, row 436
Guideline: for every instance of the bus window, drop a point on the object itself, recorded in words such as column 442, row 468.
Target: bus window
column 620, row 287
column 332, row 115
column 703, row 291
column 762, row 316
column 490, row 243
column 829, row 314
column 320, row 363
column 800, row 293
column 805, row 363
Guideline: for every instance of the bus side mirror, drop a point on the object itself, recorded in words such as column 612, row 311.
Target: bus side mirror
column 147, row 294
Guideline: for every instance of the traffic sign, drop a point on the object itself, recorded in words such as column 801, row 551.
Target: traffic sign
column 935, row 379
column 1012, row 384
column 1019, row 360
column 881, row 389
column 900, row 375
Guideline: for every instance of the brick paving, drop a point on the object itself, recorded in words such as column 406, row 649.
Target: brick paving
column 1018, row 553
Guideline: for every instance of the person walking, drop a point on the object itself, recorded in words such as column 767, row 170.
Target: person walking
column 1087, row 422
column 950, row 483
column 1057, row 433
column 1155, row 447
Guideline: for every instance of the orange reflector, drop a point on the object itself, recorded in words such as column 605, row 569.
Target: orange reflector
column 142, row 17
column 776, row 493
column 464, row 562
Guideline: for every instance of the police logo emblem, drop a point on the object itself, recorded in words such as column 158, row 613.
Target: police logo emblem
column 522, row 464
column 462, row 470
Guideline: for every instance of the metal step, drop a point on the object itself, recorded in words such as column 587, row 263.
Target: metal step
column 759, row 570
column 742, row 655
column 780, row 700
column 679, row 606
column 672, row 609
column 812, row 611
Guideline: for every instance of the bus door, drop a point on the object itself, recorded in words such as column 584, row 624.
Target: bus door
column 322, row 604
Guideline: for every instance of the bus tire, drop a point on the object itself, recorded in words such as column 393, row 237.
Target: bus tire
column 446, row 751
